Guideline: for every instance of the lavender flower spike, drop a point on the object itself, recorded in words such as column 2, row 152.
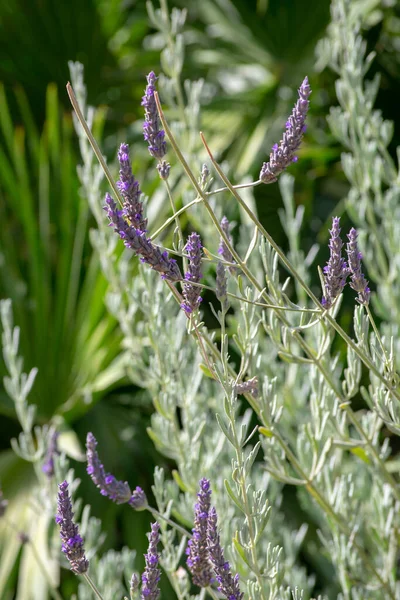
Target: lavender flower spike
column 196, row 550
column 72, row 543
column 191, row 293
column 336, row 271
column 283, row 155
column 358, row 281
column 118, row 491
column 228, row 585
column 223, row 249
column 151, row 575
column 130, row 191
column 52, row 450
column 138, row 242
column 153, row 134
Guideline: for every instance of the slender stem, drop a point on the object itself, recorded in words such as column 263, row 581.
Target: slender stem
column 157, row 514
column 93, row 586
column 92, row 141
column 173, row 218
column 236, row 187
column 178, row 224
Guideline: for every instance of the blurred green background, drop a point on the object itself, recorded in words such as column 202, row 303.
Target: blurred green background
column 253, row 56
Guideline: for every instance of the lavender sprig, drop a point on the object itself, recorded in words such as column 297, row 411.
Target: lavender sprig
column 336, row 270
column 191, row 293
column 228, row 585
column 118, row 491
column 223, row 249
column 197, row 551
column 72, row 543
column 151, row 575
column 153, row 134
column 52, row 450
column 358, row 281
column 283, row 155
column 138, row 242
column 130, row 190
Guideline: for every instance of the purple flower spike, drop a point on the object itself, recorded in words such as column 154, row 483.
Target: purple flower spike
column 283, row 155
column 358, row 281
column 118, row 491
column 336, row 270
column 153, row 134
column 52, row 450
column 191, row 293
column 130, row 191
column 72, row 543
column 221, row 286
column 151, row 575
column 138, row 242
column 197, row 550
column 223, row 249
column 228, row 585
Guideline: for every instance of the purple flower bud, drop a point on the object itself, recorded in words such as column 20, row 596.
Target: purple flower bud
column 118, row 491
column 163, row 169
column 23, row 537
column 52, row 450
column 140, row 244
column 153, row 134
column 191, row 293
column 151, row 575
column 223, row 249
column 130, row 191
column 138, row 500
column 283, row 155
column 228, row 585
column 336, row 271
column 197, row 551
column 72, row 543
column 248, row 387
column 358, row 281
column 3, row 503
column 205, row 174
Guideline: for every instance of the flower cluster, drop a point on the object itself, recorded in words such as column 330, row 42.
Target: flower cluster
column 197, row 550
column 358, row 281
column 52, row 450
column 204, row 549
column 337, row 269
column 136, row 240
column 228, row 584
column 151, row 575
column 118, row 491
column 223, row 249
column 283, row 155
column 248, row 387
column 153, row 134
column 130, row 190
column 72, row 543
column 191, row 293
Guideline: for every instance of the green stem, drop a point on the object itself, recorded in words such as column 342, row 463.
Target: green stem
column 158, row 515
column 93, row 586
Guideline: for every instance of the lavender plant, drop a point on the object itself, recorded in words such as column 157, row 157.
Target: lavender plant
column 283, row 413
